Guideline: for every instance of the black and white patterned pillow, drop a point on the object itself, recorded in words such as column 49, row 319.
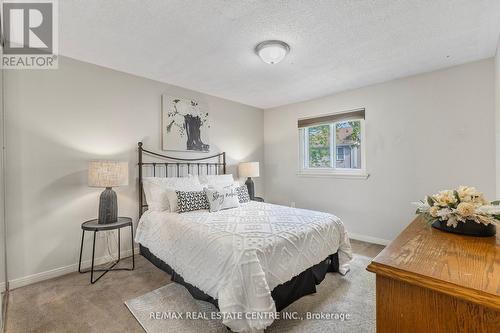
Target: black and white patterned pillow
column 243, row 195
column 192, row 200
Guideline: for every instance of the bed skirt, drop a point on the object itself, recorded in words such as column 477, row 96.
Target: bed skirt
column 283, row 295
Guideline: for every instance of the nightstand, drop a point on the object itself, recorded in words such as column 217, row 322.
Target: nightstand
column 259, row 199
column 93, row 225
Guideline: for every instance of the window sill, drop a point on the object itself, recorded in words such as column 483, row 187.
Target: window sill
column 333, row 174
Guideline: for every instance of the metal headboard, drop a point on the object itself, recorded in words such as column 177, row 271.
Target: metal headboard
column 167, row 166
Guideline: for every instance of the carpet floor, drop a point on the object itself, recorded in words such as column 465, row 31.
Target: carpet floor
column 70, row 303
column 350, row 298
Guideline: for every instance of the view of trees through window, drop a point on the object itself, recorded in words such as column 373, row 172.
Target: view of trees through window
column 347, row 140
column 319, row 147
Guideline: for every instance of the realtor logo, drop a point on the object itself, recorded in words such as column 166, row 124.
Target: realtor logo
column 30, row 34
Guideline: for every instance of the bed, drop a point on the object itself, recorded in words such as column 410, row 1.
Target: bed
column 250, row 261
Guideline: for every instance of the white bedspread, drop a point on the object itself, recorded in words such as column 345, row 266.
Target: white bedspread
column 239, row 255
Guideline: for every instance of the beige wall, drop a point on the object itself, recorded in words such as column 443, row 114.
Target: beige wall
column 497, row 113
column 423, row 133
column 2, row 221
column 57, row 120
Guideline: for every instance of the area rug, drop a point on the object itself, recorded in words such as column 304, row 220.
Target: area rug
column 341, row 304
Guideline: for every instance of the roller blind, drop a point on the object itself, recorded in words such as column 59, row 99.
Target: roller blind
column 331, row 118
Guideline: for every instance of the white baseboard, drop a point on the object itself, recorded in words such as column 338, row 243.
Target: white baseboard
column 30, row 279
column 369, row 239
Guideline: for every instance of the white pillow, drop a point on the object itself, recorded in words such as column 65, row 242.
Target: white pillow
column 172, row 195
column 222, row 198
column 156, row 195
column 216, row 180
column 160, row 191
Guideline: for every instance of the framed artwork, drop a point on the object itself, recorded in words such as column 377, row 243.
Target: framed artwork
column 185, row 125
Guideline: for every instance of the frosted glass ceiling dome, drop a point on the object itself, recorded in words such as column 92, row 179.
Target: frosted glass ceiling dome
column 272, row 51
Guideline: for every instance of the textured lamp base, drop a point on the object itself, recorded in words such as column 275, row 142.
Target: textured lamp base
column 108, row 207
column 251, row 188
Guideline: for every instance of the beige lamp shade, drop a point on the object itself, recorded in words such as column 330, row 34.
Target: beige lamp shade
column 248, row 169
column 108, row 173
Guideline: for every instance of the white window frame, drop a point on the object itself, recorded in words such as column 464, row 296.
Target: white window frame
column 304, row 170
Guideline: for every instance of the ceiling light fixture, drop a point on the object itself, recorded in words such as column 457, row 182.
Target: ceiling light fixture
column 272, row 51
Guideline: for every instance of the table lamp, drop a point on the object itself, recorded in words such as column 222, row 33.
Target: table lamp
column 108, row 174
column 249, row 169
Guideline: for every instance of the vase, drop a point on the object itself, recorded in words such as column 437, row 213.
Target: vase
column 467, row 228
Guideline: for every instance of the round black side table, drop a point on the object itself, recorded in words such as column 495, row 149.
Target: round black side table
column 93, row 225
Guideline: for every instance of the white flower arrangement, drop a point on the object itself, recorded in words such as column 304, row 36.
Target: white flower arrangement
column 464, row 204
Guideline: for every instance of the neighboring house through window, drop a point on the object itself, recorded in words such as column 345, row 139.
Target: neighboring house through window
column 340, row 153
column 333, row 144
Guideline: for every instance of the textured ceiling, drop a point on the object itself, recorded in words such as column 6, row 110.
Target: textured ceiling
column 207, row 45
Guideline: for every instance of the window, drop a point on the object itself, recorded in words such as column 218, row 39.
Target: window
column 340, row 153
column 319, row 144
column 333, row 145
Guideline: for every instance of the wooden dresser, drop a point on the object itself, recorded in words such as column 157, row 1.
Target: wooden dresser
column 432, row 281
